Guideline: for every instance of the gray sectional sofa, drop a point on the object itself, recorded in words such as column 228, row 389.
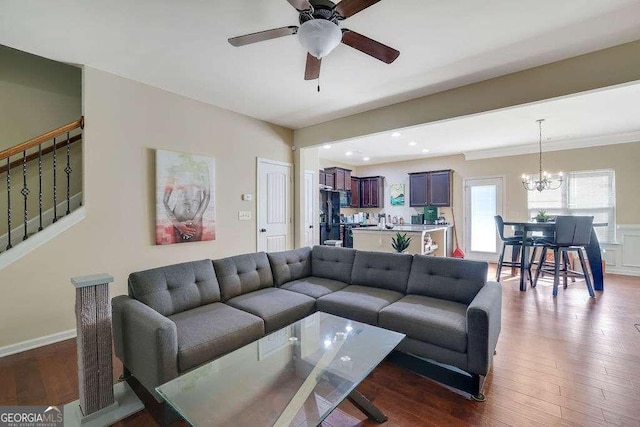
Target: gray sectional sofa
column 178, row 317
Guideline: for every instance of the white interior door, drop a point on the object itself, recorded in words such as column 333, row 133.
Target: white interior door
column 483, row 201
column 310, row 195
column 275, row 222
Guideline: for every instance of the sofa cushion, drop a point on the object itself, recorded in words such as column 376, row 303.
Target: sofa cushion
column 277, row 307
column 242, row 274
column 382, row 270
column 331, row 262
column 175, row 288
column 210, row 331
column 431, row 320
column 290, row 265
column 451, row 279
column 359, row 303
column 314, row 287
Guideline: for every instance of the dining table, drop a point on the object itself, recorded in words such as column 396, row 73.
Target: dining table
column 525, row 228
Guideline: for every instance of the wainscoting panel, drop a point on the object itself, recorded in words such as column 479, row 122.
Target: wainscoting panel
column 624, row 257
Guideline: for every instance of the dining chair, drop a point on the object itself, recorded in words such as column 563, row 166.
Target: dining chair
column 572, row 234
column 512, row 241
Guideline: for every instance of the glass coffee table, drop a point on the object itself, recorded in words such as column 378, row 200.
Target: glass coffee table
column 293, row 377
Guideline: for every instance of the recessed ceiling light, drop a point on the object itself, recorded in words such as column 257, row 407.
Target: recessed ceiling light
column 326, row 146
column 366, row 159
column 412, row 143
column 348, row 153
column 396, row 134
column 426, row 150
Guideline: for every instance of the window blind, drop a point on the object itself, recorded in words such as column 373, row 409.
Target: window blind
column 589, row 193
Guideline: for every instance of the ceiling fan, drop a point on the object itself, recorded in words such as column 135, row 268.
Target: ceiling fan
column 320, row 33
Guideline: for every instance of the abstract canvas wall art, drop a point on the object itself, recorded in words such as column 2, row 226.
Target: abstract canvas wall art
column 185, row 202
column 397, row 194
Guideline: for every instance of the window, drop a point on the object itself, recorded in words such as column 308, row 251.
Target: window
column 581, row 193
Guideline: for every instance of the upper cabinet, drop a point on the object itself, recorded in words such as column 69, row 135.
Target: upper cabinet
column 372, row 192
column 430, row 188
column 418, row 189
column 341, row 178
column 355, row 192
column 322, row 177
column 439, row 188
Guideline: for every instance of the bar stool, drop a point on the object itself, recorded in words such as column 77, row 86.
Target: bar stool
column 512, row 241
column 573, row 234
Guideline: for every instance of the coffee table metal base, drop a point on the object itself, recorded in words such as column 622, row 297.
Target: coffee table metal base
column 369, row 409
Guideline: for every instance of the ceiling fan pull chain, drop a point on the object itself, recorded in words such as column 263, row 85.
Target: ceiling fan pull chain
column 318, row 83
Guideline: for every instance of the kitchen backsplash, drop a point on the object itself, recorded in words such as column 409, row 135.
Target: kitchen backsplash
column 398, row 211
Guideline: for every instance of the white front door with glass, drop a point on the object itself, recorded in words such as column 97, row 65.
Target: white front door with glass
column 483, row 201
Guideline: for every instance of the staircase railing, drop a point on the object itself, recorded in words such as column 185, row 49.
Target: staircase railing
column 50, row 142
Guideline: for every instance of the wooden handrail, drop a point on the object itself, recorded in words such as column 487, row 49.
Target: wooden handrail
column 42, row 138
column 34, row 156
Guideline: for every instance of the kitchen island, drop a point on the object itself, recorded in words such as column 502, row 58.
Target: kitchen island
column 376, row 239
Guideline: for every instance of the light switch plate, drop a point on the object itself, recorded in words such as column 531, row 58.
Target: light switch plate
column 244, row 215
column 247, row 197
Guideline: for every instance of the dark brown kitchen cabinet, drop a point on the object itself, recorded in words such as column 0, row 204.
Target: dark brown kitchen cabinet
column 372, row 192
column 322, row 177
column 355, row 192
column 430, row 188
column 418, row 189
column 439, row 188
column 342, row 178
column 329, row 180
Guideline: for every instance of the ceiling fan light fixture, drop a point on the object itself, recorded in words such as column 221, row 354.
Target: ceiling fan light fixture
column 319, row 37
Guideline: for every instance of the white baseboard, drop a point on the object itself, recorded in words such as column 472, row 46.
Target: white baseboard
column 23, row 248
column 47, row 220
column 623, row 271
column 36, row 342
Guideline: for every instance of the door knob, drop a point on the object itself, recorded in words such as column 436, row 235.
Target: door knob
column 263, row 230
column 311, row 226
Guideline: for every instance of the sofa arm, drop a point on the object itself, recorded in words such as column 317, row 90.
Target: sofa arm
column 145, row 341
column 484, row 316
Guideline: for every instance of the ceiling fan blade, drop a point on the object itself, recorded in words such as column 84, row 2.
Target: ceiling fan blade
column 348, row 8
column 371, row 47
column 300, row 5
column 312, row 70
column 263, row 35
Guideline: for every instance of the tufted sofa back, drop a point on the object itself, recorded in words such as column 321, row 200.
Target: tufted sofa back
column 332, row 263
column 241, row 274
column 176, row 288
column 447, row 278
column 290, row 265
column 381, row 270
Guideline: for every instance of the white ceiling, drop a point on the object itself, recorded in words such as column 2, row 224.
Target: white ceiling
column 181, row 46
column 600, row 117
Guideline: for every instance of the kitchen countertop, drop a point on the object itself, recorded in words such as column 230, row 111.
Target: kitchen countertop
column 407, row 227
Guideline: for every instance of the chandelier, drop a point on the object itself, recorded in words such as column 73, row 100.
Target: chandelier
column 543, row 181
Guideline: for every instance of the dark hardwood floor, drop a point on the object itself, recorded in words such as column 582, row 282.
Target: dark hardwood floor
column 570, row 360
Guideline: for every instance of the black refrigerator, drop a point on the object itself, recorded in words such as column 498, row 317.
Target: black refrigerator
column 329, row 215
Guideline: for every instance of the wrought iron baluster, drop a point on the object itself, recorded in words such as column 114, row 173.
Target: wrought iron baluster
column 68, row 170
column 8, row 203
column 55, row 190
column 25, row 192
column 40, row 187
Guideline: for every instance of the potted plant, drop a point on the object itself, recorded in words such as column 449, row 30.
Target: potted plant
column 542, row 216
column 401, row 242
